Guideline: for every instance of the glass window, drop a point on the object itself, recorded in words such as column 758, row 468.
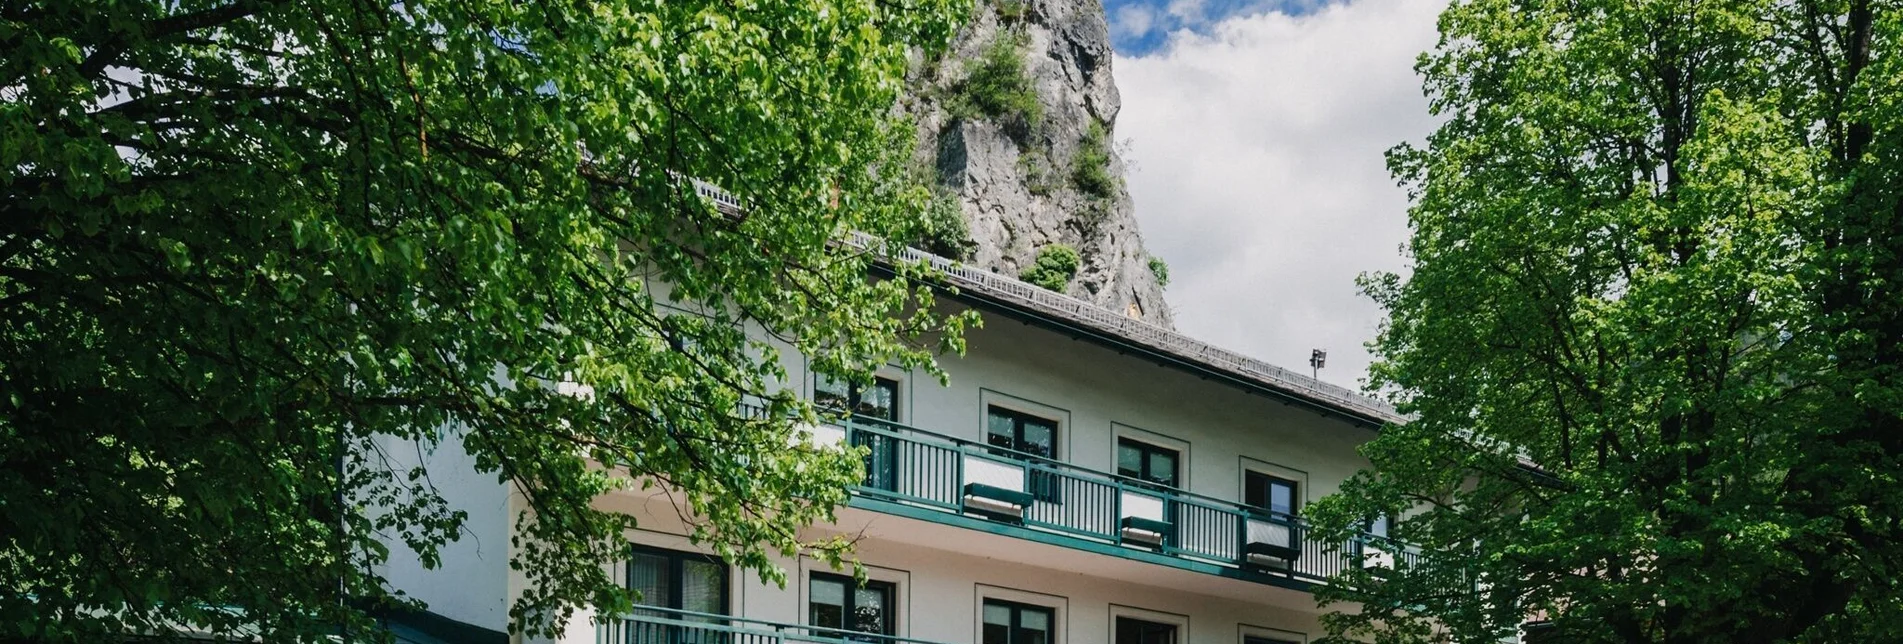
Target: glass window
column 835, row 601
column 1277, row 495
column 1131, row 630
column 1022, row 432
column 680, row 580
column 879, row 400
column 1146, row 462
column 1379, row 526
column 1015, row 623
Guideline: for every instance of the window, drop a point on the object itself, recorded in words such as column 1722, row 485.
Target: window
column 1022, row 432
column 836, row 601
column 1015, row 623
column 678, row 580
column 879, row 400
column 1146, row 462
column 1251, row 639
column 1277, row 495
column 1378, row 526
column 1131, row 630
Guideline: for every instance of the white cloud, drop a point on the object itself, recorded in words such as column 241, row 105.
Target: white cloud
column 1188, row 11
column 1132, row 22
column 1261, row 176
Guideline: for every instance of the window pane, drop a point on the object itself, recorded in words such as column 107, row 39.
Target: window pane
column 828, row 603
column 829, row 393
column 1281, row 498
column 1040, row 438
column 871, row 607
column 1000, row 430
column 649, row 577
column 997, row 633
column 1255, row 489
column 702, row 585
column 881, row 400
column 1129, row 460
column 1163, row 467
column 1379, row 527
column 995, row 614
column 1035, row 620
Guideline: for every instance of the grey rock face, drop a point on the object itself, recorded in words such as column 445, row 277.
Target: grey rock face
column 1018, row 193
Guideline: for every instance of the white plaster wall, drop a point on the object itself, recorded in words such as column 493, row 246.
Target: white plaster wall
column 1097, row 389
column 940, row 593
column 472, row 584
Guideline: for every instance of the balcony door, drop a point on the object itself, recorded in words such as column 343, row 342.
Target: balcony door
column 1131, row 630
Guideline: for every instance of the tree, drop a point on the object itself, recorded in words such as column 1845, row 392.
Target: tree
column 1652, row 334
column 246, row 242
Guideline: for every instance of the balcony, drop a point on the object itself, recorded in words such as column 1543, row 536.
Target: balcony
column 670, row 626
column 919, row 474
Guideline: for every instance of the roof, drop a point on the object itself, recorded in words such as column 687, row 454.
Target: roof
column 1121, row 332
column 1065, row 313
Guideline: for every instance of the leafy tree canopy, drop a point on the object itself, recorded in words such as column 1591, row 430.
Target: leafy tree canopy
column 249, row 245
column 1653, row 329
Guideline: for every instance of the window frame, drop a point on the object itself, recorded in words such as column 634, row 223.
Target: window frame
column 890, row 628
column 677, row 575
column 1017, row 616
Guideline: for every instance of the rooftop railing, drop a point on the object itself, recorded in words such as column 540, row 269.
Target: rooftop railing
column 961, row 477
column 672, row 626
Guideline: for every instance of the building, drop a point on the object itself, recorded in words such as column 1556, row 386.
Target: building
column 1085, row 478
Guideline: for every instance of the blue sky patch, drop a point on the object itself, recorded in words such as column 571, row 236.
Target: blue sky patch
column 1142, row 27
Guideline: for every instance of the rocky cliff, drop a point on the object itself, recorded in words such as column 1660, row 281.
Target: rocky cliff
column 1017, row 124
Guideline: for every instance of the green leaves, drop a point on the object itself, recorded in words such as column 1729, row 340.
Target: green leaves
column 255, row 253
column 1629, row 336
column 1056, row 265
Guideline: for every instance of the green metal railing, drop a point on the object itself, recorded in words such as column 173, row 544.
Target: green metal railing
column 921, row 468
column 670, row 626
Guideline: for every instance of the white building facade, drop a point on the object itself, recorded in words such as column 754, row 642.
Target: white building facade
column 1085, row 478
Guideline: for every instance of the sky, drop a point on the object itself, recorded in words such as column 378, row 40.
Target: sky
column 1256, row 132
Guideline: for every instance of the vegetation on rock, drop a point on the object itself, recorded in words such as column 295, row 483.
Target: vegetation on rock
column 1160, row 270
column 1055, row 267
column 997, row 87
